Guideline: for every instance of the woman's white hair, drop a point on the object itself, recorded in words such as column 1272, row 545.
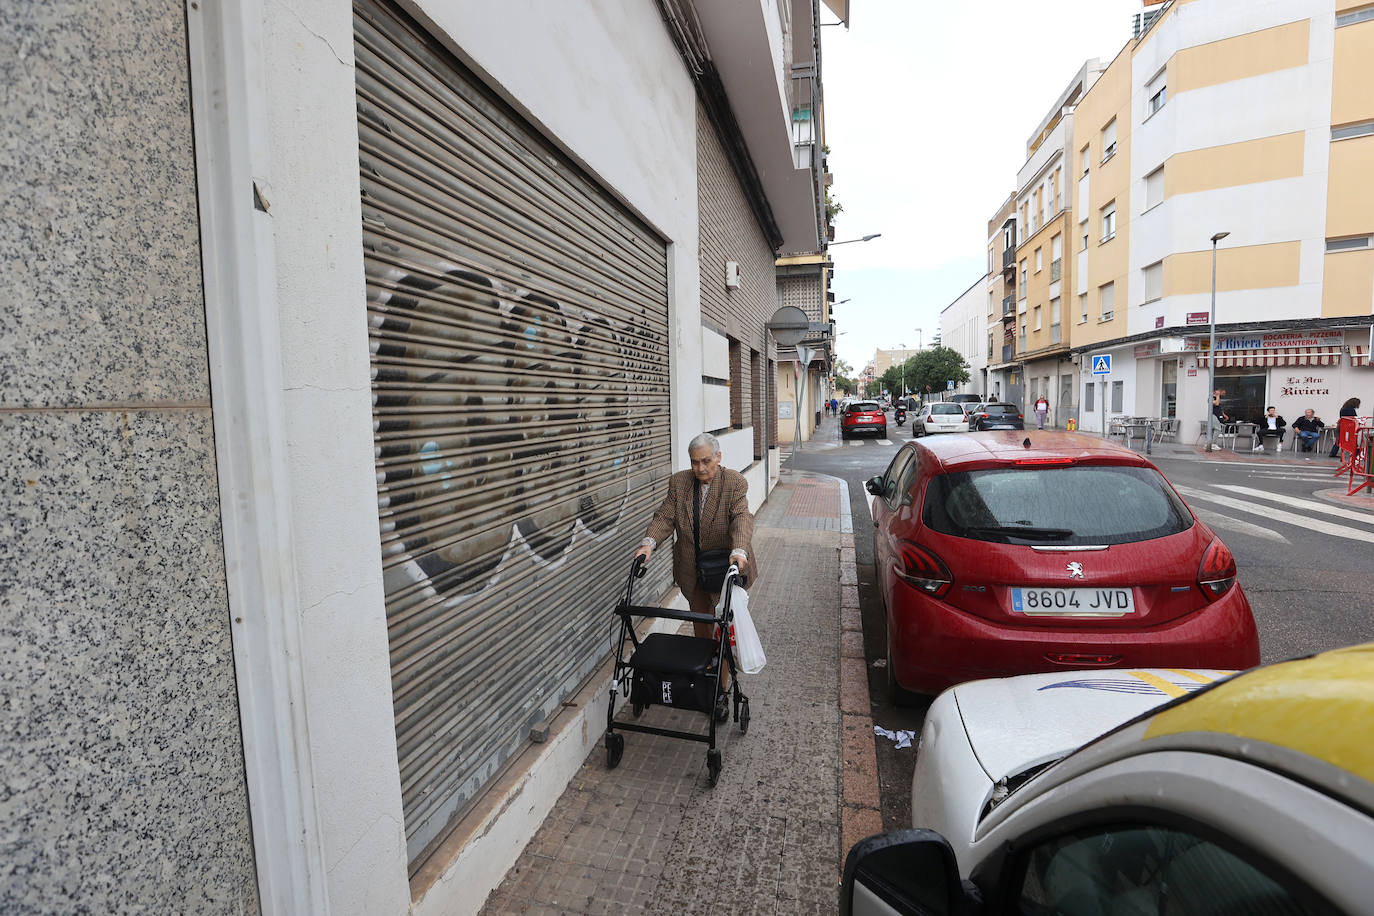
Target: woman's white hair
column 703, row 440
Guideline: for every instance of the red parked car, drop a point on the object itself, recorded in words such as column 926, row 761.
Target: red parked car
column 996, row 558
column 863, row 417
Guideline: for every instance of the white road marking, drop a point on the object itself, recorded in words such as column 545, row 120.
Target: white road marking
column 884, row 441
column 1337, row 511
column 856, row 443
column 1277, row 515
column 1226, row 523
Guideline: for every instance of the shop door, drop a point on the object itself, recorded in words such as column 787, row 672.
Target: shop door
column 518, row 322
column 1168, row 393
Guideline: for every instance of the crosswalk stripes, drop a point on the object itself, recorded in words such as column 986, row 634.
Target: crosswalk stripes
column 1274, row 514
column 1227, row 523
column 1337, row 511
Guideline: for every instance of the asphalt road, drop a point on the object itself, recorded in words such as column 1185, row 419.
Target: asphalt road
column 1305, row 563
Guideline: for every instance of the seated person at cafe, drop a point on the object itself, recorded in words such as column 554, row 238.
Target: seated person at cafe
column 1271, row 424
column 1308, row 428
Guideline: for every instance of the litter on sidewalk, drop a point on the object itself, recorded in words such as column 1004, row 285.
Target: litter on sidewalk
column 904, row 737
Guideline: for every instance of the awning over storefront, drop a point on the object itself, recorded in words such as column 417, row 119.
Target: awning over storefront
column 1359, row 356
column 1276, row 356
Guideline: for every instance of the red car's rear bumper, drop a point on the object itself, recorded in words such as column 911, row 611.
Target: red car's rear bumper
column 935, row 646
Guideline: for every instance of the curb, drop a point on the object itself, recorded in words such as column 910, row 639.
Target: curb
column 860, row 811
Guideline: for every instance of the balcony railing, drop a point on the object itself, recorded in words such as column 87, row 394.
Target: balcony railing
column 1009, row 259
column 1008, row 307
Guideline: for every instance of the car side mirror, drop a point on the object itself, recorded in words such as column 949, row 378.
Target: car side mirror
column 874, row 485
column 906, row 872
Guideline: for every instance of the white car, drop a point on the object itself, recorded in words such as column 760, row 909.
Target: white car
column 940, row 417
column 1209, row 794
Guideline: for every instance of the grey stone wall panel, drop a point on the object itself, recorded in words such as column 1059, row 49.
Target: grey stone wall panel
column 121, row 760
column 101, row 244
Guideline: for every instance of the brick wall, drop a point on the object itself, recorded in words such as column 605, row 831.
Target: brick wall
column 729, row 233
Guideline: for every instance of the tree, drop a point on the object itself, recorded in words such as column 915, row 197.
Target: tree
column 930, row 369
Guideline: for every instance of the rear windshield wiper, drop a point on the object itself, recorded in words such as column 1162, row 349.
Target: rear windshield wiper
column 1027, row 532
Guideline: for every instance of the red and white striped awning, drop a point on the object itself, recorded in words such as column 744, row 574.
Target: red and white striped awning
column 1359, row 356
column 1276, row 356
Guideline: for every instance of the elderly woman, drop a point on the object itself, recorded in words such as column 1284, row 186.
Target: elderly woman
column 708, row 507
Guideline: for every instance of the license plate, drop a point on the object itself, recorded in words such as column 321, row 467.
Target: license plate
column 1073, row 602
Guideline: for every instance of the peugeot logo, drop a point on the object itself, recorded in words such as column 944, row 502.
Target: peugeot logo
column 1075, row 570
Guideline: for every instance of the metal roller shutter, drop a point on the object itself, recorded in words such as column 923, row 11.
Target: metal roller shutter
column 518, row 321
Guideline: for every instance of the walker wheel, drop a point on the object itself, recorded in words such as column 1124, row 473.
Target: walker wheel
column 637, row 709
column 615, row 748
column 742, row 717
column 712, row 766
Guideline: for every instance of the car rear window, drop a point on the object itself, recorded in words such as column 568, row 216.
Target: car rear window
column 1084, row 504
column 946, row 408
column 1000, row 409
column 864, row 407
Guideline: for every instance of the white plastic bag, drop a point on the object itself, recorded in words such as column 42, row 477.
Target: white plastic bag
column 748, row 649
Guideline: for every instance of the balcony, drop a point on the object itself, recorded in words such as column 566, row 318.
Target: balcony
column 1009, row 263
column 1009, row 308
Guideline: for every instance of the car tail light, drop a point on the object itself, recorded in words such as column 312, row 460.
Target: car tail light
column 1217, row 571
column 923, row 569
column 1077, row 659
column 1020, row 416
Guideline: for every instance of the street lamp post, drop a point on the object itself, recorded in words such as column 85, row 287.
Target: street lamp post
column 1212, row 350
column 904, row 370
column 867, row 238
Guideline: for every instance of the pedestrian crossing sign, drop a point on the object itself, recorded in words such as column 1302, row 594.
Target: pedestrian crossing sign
column 1102, row 365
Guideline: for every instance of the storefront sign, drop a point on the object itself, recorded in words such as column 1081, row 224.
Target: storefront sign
column 1192, row 373
column 1159, row 321
column 1147, row 349
column 1198, row 318
column 1304, row 386
column 1269, row 340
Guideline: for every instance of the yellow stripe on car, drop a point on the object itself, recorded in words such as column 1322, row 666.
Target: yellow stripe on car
column 1318, row 706
column 1159, row 683
column 1196, row 676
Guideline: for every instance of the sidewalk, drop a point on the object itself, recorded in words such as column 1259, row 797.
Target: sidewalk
column 651, row 837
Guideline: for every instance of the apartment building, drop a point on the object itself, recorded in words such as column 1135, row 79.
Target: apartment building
column 1044, row 275
column 1252, row 123
column 963, row 328
column 1002, row 370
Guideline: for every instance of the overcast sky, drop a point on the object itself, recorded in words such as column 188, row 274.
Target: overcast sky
column 928, row 107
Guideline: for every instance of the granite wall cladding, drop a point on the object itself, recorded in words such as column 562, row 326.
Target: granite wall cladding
column 100, row 250
column 121, row 761
column 120, row 753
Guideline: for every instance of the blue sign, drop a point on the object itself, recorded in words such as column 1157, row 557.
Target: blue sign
column 1102, row 365
column 949, row 385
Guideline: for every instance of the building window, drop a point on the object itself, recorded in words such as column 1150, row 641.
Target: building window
column 1023, row 278
column 989, row 259
column 989, row 345
column 1153, row 281
column 1109, row 222
column 1106, row 298
column 1039, row 259
column 1083, row 231
column 1054, row 320
column 1357, row 243
column 1109, row 140
column 1056, row 257
column 1088, row 391
column 1037, row 317
column 1156, row 94
column 1354, row 16
column 1363, row 129
column 1083, row 160
column 1082, row 308
column 1154, row 188
column 1118, row 396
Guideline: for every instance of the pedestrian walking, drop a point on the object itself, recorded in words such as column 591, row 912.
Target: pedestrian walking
column 708, row 508
column 1042, row 410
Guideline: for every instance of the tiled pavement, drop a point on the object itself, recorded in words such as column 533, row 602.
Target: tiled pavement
column 652, row 837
